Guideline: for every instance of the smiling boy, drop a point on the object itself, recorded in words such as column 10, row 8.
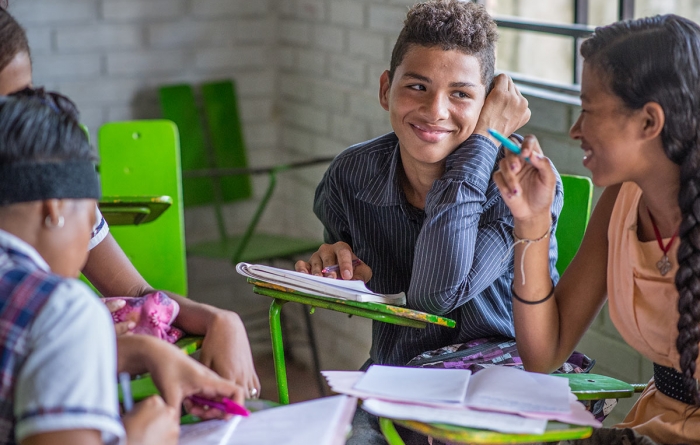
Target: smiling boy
column 418, row 205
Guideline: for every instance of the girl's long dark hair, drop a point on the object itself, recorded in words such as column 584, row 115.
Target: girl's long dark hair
column 657, row 59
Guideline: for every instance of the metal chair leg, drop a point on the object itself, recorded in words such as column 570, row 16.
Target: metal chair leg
column 389, row 430
column 278, row 351
column 314, row 351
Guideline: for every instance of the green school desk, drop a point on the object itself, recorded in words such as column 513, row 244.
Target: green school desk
column 584, row 386
column 133, row 210
column 376, row 311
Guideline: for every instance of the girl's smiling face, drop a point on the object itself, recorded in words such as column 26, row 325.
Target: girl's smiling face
column 609, row 132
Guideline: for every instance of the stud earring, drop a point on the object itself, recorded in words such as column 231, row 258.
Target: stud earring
column 49, row 223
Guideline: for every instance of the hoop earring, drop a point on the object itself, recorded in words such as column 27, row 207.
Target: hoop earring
column 49, row 223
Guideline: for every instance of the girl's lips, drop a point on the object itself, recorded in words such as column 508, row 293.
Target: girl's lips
column 430, row 135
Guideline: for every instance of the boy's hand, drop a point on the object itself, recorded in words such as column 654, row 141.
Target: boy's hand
column 152, row 421
column 338, row 254
column 505, row 109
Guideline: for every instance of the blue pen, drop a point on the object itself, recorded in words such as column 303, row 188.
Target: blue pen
column 127, row 398
column 510, row 145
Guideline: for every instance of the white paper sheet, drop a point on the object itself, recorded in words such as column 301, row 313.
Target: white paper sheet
column 209, row 432
column 416, row 384
column 505, row 389
column 324, row 421
column 504, row 423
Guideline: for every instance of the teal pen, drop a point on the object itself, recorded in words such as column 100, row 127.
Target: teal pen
column 510, row 145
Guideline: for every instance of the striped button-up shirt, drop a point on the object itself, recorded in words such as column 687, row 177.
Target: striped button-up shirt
column 453, row 258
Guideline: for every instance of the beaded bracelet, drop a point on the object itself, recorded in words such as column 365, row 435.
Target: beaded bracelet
column 527, row 242
column 549, row 295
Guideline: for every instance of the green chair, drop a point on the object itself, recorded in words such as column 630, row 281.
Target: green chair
column 215, row 171
column 578, row 196
column 142, row 158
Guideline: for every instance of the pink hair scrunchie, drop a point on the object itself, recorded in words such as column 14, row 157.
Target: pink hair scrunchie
column 153, row 314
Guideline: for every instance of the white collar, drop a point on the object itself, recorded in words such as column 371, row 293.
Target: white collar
column 8, row 240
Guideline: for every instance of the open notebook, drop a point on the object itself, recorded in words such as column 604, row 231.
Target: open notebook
column 324, row 421
column 321, row 286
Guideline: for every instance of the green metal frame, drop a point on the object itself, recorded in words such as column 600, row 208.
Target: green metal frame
column 456, row 434
column 374, row 311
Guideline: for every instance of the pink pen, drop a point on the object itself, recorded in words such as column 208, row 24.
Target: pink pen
column 227, row 406
column 328, row 269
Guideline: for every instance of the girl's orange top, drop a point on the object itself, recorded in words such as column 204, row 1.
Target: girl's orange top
column 644, row 308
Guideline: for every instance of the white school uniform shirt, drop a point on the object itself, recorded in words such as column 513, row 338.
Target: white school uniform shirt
column 69, row 379
column 99, row 230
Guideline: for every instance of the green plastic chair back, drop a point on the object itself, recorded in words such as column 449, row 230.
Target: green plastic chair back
column 228, row 150
column 142, row 158
column 222, row 146
column 578, row 196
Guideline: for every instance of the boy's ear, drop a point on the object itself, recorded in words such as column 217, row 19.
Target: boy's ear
column 653, row 119
column 384, row 87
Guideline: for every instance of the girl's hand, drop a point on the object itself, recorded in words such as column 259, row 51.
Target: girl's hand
column 125, row 327
column 178, row 376
column 152, row 421
column 226, row 350
column 527, row 187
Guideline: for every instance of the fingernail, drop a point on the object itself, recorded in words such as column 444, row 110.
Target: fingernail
column 131, row 325
column 527, row 159
column 347, row 275
column 509, row 195
column 515, row 191
column 540, row 156
column 513, row 166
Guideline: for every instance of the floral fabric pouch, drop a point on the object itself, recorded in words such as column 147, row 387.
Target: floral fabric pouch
column 153, row 314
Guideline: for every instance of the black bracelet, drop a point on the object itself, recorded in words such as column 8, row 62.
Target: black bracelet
column 549, row 295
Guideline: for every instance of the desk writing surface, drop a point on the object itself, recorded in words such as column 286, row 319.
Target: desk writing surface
column 133, row 210
column 380, row 308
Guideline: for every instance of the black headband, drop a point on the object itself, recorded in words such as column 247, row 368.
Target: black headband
column 37, row 181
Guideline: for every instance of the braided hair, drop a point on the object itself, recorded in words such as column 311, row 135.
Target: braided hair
column 13, row 38
column 657, row 59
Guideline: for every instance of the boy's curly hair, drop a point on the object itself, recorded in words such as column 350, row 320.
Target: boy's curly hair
column 13, row 39
column 450, row 25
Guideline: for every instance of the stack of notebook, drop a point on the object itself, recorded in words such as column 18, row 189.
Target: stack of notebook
column 502, row 399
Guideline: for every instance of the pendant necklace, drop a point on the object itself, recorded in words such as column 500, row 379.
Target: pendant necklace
column 664, row 265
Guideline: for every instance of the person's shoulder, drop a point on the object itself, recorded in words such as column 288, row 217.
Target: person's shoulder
column 74, row 303
column 378, row 147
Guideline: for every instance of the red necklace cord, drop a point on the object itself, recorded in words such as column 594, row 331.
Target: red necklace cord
column 658, row 236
